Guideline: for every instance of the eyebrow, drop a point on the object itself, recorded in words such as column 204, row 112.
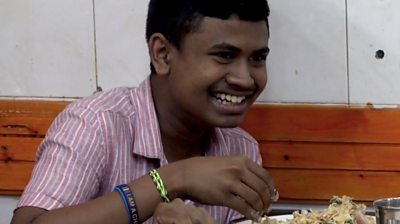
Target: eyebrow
column 226, row 46
column 264, row 50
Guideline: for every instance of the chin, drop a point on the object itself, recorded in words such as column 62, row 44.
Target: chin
column 230, row 122
column 229, row 126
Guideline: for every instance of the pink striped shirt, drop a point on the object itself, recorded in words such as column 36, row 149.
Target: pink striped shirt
column 112, row 138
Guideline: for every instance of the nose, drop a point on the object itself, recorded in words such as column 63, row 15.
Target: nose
column 240, row 76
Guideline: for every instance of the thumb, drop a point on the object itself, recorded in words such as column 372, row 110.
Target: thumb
column 360, row 218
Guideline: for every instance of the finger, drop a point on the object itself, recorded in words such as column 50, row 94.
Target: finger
column 177, row 201
column 173, row 221
column 194, row 214
column 171, row 213
column 248, row 194
column 276, row 195
column 360, row 218
column 263, row 196
column 201, row 216
column 207, row 217
column 263, row 174
column 241, row 206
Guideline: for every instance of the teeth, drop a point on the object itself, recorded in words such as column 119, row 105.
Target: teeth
column 227, row 98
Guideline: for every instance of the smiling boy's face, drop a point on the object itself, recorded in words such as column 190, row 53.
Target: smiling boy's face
column 218, row 72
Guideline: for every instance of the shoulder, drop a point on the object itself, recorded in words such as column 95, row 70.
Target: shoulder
column 116, row 100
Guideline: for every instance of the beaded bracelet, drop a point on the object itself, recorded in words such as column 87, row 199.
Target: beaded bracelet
column 129, row 201
column 159, row 184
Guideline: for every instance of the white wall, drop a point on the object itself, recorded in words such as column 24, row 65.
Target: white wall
column 7, row 205
column 322, row 51
column 47, row 40
column 374, row 26
column 308, row 60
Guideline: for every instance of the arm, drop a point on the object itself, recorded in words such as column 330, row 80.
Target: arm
column 106, row 209
column 235, row 182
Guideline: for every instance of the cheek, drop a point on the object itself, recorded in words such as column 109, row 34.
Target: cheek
column 207, row 75
column 261, row 79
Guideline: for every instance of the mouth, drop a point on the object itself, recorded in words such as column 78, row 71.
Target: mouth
column 226, row 98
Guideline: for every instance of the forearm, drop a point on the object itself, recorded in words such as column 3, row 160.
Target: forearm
column 148, row 197
column 106, row 209
column 109, row 208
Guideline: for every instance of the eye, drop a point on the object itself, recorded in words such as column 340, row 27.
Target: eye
column 258, row 57
column 224, row 56
column 258, row 60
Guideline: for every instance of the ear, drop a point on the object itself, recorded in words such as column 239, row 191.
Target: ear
column 159, row 49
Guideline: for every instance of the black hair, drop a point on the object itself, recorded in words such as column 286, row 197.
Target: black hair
column 177, row 18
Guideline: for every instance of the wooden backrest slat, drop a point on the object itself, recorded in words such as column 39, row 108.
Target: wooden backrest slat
column 25, row 126
column 323, row 123
column 14, row 175
column 18, row 148
column 340, row 156
column 303, row 184
column 31, row 107
column 28, row 118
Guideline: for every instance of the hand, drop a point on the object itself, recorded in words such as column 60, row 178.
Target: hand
column 360, row 218
column 235, row 182
column 177, row 212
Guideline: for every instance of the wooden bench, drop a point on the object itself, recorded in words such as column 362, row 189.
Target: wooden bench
column 23, row 125
column 313, row 152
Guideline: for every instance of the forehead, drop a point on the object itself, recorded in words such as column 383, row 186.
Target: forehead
column 231, row 31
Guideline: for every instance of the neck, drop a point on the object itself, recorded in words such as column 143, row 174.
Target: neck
column 177, row 148
column 181, row 139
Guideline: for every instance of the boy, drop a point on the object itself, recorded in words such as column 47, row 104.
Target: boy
column 207, row 68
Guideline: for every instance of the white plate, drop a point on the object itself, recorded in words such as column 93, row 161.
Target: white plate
column 277, row 217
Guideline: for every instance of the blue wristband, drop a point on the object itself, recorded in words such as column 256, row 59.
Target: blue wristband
column 127, row 196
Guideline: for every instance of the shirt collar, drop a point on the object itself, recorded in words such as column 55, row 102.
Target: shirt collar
column 147, row 139
column 219, row 145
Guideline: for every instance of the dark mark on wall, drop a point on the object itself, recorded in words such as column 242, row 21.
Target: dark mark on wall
column 380, row 54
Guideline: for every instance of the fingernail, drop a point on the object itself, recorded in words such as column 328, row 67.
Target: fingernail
column 256, row 216
column 268, row 210
column 275, row 197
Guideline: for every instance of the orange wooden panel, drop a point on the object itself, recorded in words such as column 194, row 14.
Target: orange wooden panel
column 18, row 148
column 313, row 152
column 31, row 107
column 343, row 156
column 323, row 123
column 11, row 192
column 14, row 175
column 24, row 117
column 297, row 184
column 25, row 126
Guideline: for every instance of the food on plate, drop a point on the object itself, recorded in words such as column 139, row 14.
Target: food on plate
column 341, row 210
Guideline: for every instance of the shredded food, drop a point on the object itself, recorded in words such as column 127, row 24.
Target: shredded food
column 341, row 210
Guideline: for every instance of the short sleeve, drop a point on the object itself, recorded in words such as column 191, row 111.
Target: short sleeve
column 69, row 162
